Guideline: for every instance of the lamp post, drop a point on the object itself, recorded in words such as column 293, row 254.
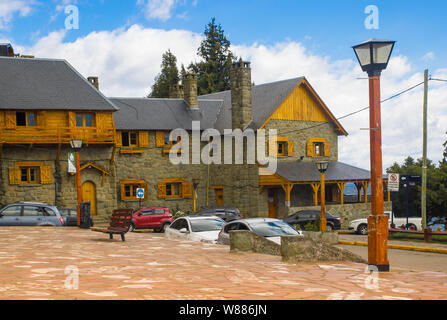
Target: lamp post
column 322, row 167
column 77, row 145
column 373, row 56
column 195, row 183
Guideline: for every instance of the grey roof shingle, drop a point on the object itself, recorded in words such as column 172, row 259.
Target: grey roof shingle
column 163, row 114
column 32, row 84
column 306, row 171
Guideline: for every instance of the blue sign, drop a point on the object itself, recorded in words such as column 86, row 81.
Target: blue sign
column 140, row 193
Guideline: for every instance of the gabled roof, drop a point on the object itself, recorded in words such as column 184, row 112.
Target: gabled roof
column 163, row 114
column 47, row 84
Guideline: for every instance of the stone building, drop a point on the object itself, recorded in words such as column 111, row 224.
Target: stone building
column 44, row 103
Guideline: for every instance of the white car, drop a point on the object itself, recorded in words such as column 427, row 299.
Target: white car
column 195, row 228
column 360, row 226
column 271, row 229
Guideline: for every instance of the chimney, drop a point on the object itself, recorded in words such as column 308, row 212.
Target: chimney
column 176, row 91
column 240, row 76
column 94, row 81
column 6, row 50
column 190, row 87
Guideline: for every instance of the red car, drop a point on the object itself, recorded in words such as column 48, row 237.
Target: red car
column 156, row 218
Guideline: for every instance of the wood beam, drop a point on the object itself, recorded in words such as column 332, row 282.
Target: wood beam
column 365, row 191
column 315, row 186
column 341, row 188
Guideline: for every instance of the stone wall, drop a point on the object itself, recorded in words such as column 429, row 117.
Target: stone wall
column 347, row 212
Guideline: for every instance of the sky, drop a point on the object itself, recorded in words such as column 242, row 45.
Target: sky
column 122, row 42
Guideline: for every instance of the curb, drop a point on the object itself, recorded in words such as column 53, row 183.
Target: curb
column 345, row 232
column 397, row 246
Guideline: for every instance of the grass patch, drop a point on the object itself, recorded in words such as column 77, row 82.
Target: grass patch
column 417, row 237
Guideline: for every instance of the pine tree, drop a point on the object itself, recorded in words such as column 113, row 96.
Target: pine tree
column 168, row 76
column 213, row 72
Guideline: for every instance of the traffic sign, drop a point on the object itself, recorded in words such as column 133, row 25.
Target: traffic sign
column 140, row 193
column 393, row 182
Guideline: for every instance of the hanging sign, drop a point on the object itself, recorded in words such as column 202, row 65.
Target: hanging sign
column 71, row 162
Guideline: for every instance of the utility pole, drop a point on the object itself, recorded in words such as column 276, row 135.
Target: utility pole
column 424, row 155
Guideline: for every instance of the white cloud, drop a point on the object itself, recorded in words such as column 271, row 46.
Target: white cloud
column 157, row 9
column 127, row 60
column 9, row 8
column 429, row 56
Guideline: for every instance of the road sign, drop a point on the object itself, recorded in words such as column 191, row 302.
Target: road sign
column 140, row 193
column 71, row 162
column 393, row 182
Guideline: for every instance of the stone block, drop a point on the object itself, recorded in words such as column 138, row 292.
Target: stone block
column 244, row 240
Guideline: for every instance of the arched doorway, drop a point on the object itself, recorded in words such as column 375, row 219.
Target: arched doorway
column 89, row 194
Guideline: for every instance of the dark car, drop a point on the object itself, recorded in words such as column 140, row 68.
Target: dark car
column 156, row 218
column 31, row 214
column 302, row 218
column 227, row 214
column 70, row 216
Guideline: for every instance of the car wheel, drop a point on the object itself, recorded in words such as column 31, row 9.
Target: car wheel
column 362, row 229
column 329, row 227
column 132, row 227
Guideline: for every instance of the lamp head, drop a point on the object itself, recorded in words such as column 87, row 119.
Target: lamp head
column 374, row 55
column 322, row 166
column 76, row 144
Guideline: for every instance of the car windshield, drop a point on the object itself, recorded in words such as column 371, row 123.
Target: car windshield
column 273, row 229
column 201, row 225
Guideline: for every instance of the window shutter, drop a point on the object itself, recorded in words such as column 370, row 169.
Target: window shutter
column 309, row 149
column 162, row 190
column 45, row 175
column 143, row 137
column 327, row 149
column 10, row 119
column 123, row 194
column 187, row 190
column 99, row 121
column 119, row 139
column 41, row 119
column 290, row 149
column 14, row 175
column 160, row 139
column 71, row 119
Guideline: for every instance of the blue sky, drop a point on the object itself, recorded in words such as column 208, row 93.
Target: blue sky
column 122, row 42
column 327, row 27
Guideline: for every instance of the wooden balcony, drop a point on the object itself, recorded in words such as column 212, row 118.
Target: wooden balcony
column 56, row 135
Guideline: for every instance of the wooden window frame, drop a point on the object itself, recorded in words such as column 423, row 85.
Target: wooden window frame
column 28, row 175
column 287, row 147
column 185, row 189
column 129, row 133
column 133, row 184
column 170, row 188
column 27, row 114
column 83, row 114
column 323, row 147
column 43, row 173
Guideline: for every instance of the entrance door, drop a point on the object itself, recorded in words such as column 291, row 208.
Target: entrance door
column 89, row 194
column 219, row 197
column 272, row 203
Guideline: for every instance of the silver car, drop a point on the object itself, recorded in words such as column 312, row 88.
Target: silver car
column 271, row 229
column 31, row 214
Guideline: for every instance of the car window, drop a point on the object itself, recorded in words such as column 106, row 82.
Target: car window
column 64, row 211
column 12, row 211
column 180, row 224
column 231, row 226
column 200, row 225
column 49, row 212
column 159, row 211
column 31, row 211
column 148, row 212
column 273, row 229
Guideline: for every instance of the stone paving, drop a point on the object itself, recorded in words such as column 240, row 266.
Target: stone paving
column 42, row 263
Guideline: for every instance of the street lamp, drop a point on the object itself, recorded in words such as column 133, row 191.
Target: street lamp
column 322, row 167
column 373, row 56
column 195, row 182
column 77, row 145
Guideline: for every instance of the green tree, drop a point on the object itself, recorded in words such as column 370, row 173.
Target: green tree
column 213, row 72
column 168, row 76
column 444, row 155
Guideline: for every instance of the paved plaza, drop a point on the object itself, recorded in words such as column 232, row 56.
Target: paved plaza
column 71, row 263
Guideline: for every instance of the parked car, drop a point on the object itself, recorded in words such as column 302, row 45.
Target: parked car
column 196, row 228
column 156, row 218
column 303, row 217
column 270, row 228
column 31, row 214
column 360, row 226
column 70, row 216
column 225, row 213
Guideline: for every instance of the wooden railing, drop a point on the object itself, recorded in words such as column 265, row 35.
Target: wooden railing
column 57, row 135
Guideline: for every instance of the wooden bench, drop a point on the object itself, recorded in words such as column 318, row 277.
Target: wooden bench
column 119, row 224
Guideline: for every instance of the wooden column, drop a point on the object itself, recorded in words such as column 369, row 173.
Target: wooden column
column 365, row 191
column 359, row 191
column 287, row 189
column 315, row 186
column 341, row 188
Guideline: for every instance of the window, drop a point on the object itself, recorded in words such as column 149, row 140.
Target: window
column 129, row 139
column 84, row 120
column 174, row 190
column 14, row 211
column 25, row 119
column 180, row 224
column 29, row 175
column 281, row 149
column 318, row 147
column 284, row 147
column 31, row 211
column 129, row 189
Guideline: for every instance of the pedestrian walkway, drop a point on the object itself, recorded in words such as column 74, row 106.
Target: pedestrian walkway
column 71, row 263
column 360, row 238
